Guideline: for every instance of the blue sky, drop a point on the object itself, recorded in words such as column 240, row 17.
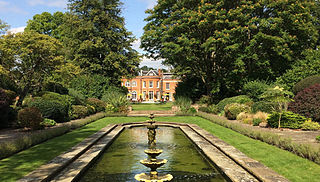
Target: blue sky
column 17, row 12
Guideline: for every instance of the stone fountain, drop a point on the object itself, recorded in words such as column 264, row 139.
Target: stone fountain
column 152, row 162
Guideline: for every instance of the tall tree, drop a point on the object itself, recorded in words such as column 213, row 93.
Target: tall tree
column 226, row 43
column 47, row 23
column 97, row 40
column 29, row 57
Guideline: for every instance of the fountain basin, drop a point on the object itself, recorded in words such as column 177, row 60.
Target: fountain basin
column 233, row 164
column 153, row 164
column 160, row 178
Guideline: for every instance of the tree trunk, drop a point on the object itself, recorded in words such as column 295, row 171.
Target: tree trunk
column 22, row 95
column 280, row 114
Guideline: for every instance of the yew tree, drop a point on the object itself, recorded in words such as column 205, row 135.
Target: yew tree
column 227, row 43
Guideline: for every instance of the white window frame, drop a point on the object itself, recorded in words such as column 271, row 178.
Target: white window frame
column 167, row 86
column 144, row 84
column 134, row 95
column 127, row 84
column 144, row 95
column 158, row 95
column 151, row 96
column 150, row 84
column 134, row 83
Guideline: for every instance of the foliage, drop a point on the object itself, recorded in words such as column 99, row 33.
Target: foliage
column 232, row 110
column 307, row 103
column 47, row 23
column 38, row 56
column 79, row 111
column 116, row 101
column 65, row 73
column 280, row 98
column 99, row 105
column 302, row 69
column 97, row 40
column 309, row 125
column 263, row 106
column 6, row 112
column 256, row 121
column 51, row 109
column 302, row 150
column 48, row 122
column 6, row 82
column 210, row 109
column 288, row 120
column 190, row 87
column 225, row 43
column 55, row 87
column 205, row 99
column 305, row 83
column 184, row 103
column 66, row 100
column 90, row 85
column 79, row 98
column 318, row 138
column 30, row 117
column 3, row 27
column 255, row 88
column 241, row 99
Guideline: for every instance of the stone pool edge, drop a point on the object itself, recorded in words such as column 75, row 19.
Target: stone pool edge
column 77, row 159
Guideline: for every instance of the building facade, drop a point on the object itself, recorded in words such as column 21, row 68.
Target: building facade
column 151, row 86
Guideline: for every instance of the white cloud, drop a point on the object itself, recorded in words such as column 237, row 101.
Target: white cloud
column 6, row 7
column 49, row 3
column 156, row 64
column 16, row 30
column 150, row 3
column 136, row 45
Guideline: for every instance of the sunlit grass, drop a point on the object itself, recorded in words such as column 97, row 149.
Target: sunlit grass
column 152, row 107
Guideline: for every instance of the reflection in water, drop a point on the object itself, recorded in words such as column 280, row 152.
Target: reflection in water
column 120, row 162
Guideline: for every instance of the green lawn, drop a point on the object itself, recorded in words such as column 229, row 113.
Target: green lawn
column 285, row 163
column 151, row 107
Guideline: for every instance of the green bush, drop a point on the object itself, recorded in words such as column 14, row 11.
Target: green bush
column 7, row 113
column 263, row 106
column 318, row 138
column 192, row 110
column 79, row 111
column 80, row 99
column 66, row 100
column 232, row 110
column 51, row 109
column 254, row 89
column 205, row 99
column 184, row 103
column 288, row 120
column 99, row 105
column 117, row 100
column 305, row 83
column 309, row 125
column 30, row 117
column 210, row 109
column 55, row 87
column 256, row 121
column 241, row 99
column 48, row 122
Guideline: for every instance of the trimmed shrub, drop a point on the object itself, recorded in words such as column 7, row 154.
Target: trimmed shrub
column 261, row 115
column 48, row 122
column 55, row 87
column 79, row 111
column 309, row 125
column 288, row 120
column 66, row 100
column 241, row 99
column 318, row 138
column 305, row 83
column 307, row 103
column 30, row 117
column 51, row 109
column 184, row 103
column 99, row 105
column 232, row 110
column 254, row 89
column 263, row 106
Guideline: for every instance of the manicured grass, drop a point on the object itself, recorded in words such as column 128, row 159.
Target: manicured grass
column 285, row 163
column 152, row 107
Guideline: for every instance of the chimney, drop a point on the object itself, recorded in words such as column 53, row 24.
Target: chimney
column 159, row 72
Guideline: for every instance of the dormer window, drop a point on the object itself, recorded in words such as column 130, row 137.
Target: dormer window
column 134, row 83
